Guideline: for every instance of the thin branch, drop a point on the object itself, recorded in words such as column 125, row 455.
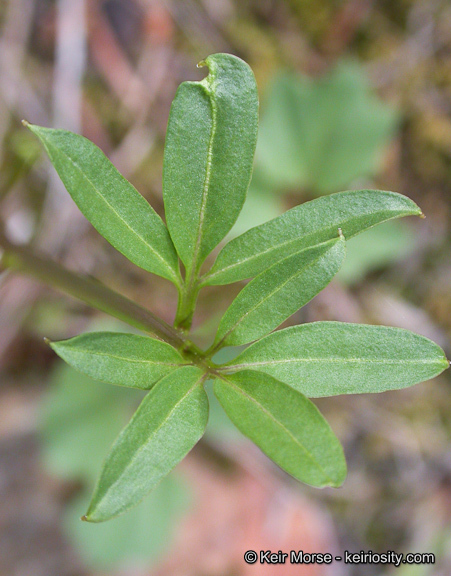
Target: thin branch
column 23, row 259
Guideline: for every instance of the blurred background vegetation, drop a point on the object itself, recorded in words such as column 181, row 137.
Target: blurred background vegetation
column 354, row 94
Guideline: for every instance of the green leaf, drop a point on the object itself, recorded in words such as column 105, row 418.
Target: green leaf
column 328, row 358
column 323, row 134
column 304, row 226
column 93, row 413
column 276, row 294
column 121, row 359
column 209, row 150
column 112, row 205
column 79, row 420
column 166, row 426
column 285, row 424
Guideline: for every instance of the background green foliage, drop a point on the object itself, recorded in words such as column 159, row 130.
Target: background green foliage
column 397, row 493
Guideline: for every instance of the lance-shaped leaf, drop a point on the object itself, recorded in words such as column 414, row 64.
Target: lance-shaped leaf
column 166, row 426
column 328, row 358
column 208, row 156
column 285, row 424
column 112, row 205
column 276, row 294
column 122, row 359
column 304, row 226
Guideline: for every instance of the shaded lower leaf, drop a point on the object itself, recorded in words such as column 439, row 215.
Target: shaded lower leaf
column 285, row 424
column 121, row 359
column 276, row 294
column 328, row 358
column 166, row 426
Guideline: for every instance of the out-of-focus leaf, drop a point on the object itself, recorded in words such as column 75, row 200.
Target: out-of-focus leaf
column 285, row 424
column 378, row 247
column 329, row 358
column 209, row 151
column 80, row 419
column 121, row 359
column 261, row 205
column 323, row 134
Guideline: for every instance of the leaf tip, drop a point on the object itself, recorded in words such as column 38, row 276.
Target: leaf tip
column 201, row 64
column 47, row 341
column 340, row 234
column 25, row 123
column 84, row 518
column 422, row 215
column 338, row 481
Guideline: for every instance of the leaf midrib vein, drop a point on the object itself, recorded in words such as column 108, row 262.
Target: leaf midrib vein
column 332, row 360
column 206, row 187
column 126, row 359
column 273, row 248
column 149, row 438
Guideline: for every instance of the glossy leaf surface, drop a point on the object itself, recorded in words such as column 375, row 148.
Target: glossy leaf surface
column 112, row 205
column 329, row 358
column 305, row 226
column 121, row 359
column 166, row 426
column 276, row 294
column 285, row 424
column 209, row 150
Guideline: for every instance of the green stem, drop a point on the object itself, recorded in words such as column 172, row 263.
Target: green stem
column 187, row 302
column 22, row 259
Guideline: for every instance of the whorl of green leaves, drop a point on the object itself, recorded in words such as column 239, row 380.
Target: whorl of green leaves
column 209, row 151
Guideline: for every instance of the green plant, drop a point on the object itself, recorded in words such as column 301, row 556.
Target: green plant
column 78, row 407
column 209, row 150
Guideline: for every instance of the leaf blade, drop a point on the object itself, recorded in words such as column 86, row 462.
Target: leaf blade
column 112, row 205
column 120, row 359
column 329, row 358
column 306, row 225
column 166, row 426
column 276, row 294
column 209, row 149
column 285, row 425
